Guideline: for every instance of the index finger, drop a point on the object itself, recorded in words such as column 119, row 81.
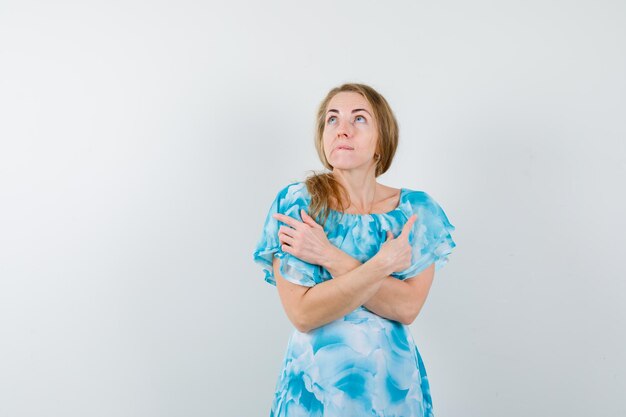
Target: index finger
column 408, row 225
column 286, row 219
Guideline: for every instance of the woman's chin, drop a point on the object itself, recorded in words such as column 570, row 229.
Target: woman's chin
column 346, row 166
column 343, row 166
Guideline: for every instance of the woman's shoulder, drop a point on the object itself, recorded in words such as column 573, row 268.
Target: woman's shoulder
column 422, row 203
column 415, row 195
column 294, row 193
column 412, row 199
column 293, row 190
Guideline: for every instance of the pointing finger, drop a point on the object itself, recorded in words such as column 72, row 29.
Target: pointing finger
column 308, row 219
column 287, row 220
column 408, row 225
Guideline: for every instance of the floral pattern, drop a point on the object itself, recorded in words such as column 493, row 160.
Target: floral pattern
column 362, row 364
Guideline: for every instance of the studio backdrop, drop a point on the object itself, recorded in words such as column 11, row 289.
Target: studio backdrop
column 142, row 143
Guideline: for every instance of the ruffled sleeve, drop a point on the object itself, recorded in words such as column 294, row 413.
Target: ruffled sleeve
column 289, row 201
column 430, row 236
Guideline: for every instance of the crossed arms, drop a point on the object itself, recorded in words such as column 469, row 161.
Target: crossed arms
column 354, row 283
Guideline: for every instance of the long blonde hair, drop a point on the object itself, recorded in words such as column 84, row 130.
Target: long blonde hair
column 326, row 192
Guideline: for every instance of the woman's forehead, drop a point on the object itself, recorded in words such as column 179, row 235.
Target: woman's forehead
column 348, row 100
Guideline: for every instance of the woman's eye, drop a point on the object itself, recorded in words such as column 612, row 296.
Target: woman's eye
column 331, row 119
column 359, row 119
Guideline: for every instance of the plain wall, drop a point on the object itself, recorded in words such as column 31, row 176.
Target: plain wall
column 142, row 143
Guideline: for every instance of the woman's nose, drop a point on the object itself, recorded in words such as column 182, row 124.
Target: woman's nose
column 344, row 128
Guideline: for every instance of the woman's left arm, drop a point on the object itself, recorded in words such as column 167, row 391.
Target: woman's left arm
column 395, row 299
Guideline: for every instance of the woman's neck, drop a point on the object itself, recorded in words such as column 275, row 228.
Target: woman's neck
column 362, row 189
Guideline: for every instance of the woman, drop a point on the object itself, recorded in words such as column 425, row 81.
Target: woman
column 353, row 261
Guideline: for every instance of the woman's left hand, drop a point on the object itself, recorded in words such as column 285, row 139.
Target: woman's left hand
column 305, row 240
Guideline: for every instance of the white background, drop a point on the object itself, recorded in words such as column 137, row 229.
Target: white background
column 142, row 143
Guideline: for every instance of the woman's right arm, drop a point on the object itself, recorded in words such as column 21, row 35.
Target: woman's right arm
column 311, row 307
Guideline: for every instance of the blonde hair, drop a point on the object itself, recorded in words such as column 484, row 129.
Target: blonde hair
column 325, row 190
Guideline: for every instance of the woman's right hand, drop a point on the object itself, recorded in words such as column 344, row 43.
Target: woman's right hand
column 395, row 254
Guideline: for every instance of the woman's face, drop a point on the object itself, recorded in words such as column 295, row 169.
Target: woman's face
column 350, row 132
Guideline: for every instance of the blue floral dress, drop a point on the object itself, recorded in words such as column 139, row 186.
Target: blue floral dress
column 362, row 364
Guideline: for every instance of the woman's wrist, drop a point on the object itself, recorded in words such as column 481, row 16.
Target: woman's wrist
column 331, row 258
column 382, row 264
column 337, row 262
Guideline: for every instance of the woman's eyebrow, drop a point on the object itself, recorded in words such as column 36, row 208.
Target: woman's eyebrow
column 353, row 111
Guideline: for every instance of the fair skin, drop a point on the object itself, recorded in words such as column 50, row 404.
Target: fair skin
column 395, row 300
column 350, row 138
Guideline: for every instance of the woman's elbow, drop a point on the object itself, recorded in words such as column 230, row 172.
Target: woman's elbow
column 300, row 322
column 301, row 326
column 304, row 324
column 409, row 316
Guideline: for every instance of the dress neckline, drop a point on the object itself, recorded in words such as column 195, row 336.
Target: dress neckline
column 373, row 214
